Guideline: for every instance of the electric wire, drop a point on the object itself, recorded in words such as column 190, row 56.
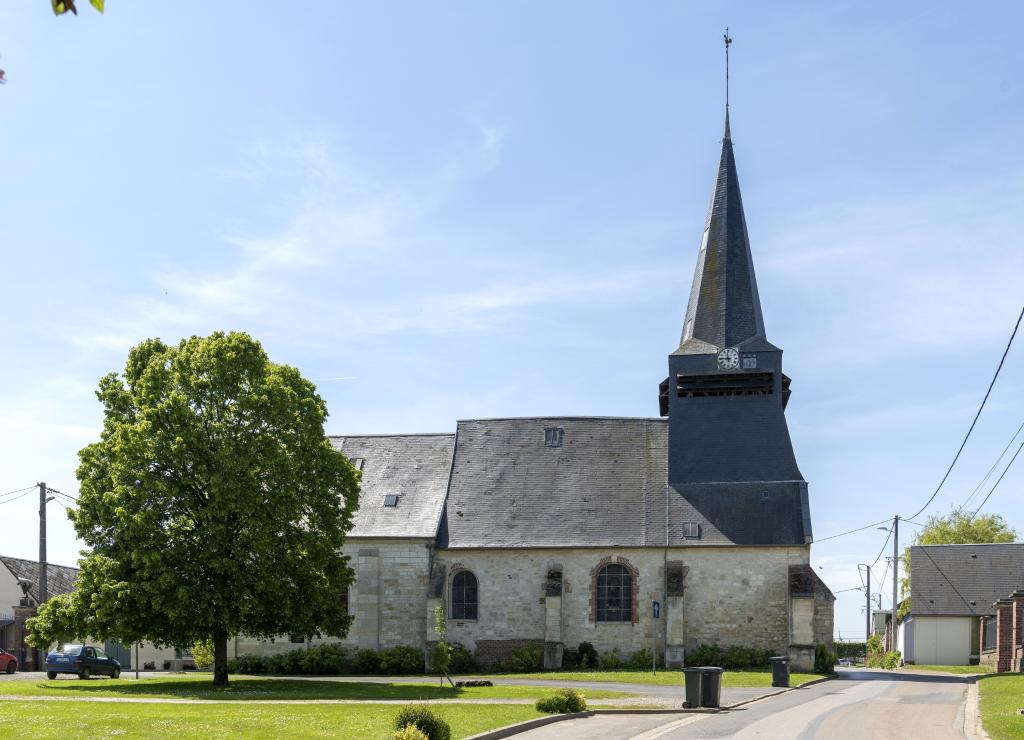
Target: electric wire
column 999, row 459
column 998, row 481
column 61, row 493
column 973, row 423
column 852, row 531
column 7, row 501
column 20, row 490
column 884, row 544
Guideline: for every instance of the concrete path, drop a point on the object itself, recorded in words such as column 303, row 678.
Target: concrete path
column 860, row 705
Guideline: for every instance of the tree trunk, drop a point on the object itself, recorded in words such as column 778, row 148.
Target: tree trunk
column 220, row 658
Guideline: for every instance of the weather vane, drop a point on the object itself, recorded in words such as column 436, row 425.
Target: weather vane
column 727, row 42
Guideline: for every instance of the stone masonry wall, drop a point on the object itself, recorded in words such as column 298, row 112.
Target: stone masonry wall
column 389, row 596
column 730, row 596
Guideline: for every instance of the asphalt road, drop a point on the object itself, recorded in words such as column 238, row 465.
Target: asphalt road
column 859, row 705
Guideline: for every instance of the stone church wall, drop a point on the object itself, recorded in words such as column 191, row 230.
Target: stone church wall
column 730, row 596
column 389, row 595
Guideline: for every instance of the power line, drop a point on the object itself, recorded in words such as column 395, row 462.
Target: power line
column 852, row 531
column 951, row 584
column 999, row 459
column 10, row 493
column 1000, row 480
column 982, row 406
column 17, row 497
column 887, row 538
column 60, row 493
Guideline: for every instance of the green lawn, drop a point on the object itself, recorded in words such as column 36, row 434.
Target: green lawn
column 962, row 669
column 241, row 689
column 27, row 719
column 1002, row 695
column 730, row 679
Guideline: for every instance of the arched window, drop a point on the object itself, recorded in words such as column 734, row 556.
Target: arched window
column 614, row 594
column 464, row 596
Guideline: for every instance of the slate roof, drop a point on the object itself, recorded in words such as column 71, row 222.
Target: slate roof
column 946, row 579
column 60, row 579
column 414, row 467
column 724, row 308
column 605, row 486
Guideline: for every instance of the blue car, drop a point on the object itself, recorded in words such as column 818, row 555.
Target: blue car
column 84, row 661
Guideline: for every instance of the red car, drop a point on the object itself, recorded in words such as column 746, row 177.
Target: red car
column 8, row 663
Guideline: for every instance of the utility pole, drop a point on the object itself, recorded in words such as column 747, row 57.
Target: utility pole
column 867, row 607
column 895, row 574
column 42, row 596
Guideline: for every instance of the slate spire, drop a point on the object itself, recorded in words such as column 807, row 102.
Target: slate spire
column 724, row 308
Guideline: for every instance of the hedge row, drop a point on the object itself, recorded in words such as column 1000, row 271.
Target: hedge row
column 333, row 659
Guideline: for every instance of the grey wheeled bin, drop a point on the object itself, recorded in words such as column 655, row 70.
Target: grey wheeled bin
column 780, row 671
column 710, row 686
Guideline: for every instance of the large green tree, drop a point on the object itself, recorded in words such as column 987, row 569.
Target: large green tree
column 213, row 504
column 958, row 527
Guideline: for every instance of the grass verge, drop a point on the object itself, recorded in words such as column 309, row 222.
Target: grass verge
column 243, row 689
column 960, row 669
column 670, row 677
column 372, row 721
column 1001, row 698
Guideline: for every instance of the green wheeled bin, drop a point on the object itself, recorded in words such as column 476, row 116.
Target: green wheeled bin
column 693, row 687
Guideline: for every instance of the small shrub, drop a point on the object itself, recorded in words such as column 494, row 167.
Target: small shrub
column 641, row 659
column 588, row 655
column 570, row 659
column 326, row 660
column 462, row 659
column 253, row 665
column 233, row 666
column 410, row 732
column 874, row 644
column 441, row 658
column 401, row 661
column 891, row 660
column 366, row 662
column 851, row 649
column 705, row 655
column 425, row 721
column 824, row 660
column 202, row 653
column 563, row 701
column 610, row 660
column 525, row 659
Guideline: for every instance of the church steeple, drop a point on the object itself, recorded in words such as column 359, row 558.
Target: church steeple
column 724, row 308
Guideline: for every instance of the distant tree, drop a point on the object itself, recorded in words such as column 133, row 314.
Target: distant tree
column 957, row 527
column 213, row 505
column 60, row 7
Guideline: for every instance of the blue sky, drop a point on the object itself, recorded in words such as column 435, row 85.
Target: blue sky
column 455, row 210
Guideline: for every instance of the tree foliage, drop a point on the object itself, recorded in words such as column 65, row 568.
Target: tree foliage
column 60, row 7
column 213, row 504
column 957, row 527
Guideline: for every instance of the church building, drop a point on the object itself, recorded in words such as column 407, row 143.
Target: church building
column 552, row 531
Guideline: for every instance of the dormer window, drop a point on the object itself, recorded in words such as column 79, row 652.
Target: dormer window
column 553, row 436
column 357, row 462
column 391, row 500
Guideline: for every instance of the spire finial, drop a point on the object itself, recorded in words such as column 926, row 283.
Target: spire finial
column 728, row 41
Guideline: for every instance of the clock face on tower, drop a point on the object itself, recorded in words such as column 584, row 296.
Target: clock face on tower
column 728, row 359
